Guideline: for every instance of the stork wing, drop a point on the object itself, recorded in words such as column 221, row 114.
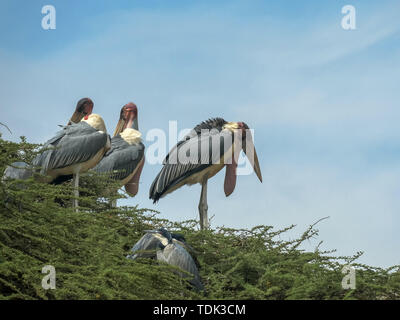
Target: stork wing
column 145, row 247
column 75, row 144
column 17, row 171
column 189, row 157
column 174, row 254
column 215, row 123
column 121, row 160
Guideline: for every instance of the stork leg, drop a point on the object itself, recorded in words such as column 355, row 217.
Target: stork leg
column 75, row 182
column 203, row 207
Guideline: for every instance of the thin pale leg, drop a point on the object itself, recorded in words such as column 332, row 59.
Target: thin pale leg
column 203, row 207
column 75, row 182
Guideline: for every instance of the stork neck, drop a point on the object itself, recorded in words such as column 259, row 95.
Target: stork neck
column 128, row 124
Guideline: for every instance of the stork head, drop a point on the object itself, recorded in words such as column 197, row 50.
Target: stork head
column 84, row 107
column 249, row 148
column 128, row 118
column 166, row 234
column 163, row 232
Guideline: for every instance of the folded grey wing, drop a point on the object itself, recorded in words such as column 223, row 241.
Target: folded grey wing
column 70, row 149
column 121, row 161
column 145, row 248
column 17, row 171
column 210, row 125
column 174, row 254
column 41, row 161
column 191, row 156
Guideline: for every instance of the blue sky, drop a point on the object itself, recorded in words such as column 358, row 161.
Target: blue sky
column 324, row 102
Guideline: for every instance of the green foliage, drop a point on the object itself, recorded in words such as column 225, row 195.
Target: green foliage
column 88, row 249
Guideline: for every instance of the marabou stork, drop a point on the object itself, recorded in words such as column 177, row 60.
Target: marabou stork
column 210, row 146
column 170, row 248
column 75, row 149
column 23, row 171
column 124, row 161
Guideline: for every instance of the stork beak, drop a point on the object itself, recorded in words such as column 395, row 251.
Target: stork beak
column 135, row 123
column 151, row 231
column 76, row 117
column 120, row 127
column 83, row 108
column 250, row 151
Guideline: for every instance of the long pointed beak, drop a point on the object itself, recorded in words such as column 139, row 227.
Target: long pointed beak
column 151, row 231
column 250, row 151
column 135, row 124
column 120, row 127
column 76, row 117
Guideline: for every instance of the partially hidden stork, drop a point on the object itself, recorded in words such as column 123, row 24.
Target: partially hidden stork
column 124, row 161
column 75, row 149
column 22, row 171
column 170, row 248
column 210, row 146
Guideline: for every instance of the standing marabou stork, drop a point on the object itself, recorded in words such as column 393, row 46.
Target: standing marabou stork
column 23, row 171
column 210, row 146
column 124, row 161
column 75, row 149
column 170, row 248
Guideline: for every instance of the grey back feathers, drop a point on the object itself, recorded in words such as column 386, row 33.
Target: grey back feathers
column 18, row 171
column 174, row 254
column 121, row 160
column 145, row 248
column 156, row 245
column 213, row 123
column 76, row 143
column 209, row 146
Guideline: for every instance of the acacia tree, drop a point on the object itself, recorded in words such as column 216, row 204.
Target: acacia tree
column 88, row 251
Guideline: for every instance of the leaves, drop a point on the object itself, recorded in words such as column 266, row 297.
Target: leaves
column 88, row 249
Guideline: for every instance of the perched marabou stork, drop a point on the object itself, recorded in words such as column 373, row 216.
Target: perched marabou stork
column 210, row 146
column 75, row 149
column 124, row 161
column 23, row 171
column 170, row 248
column 84, row 108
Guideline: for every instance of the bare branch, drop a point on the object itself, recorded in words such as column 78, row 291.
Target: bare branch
column 6, row 127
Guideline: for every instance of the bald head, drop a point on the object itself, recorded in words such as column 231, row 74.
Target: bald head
column 84, row 107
